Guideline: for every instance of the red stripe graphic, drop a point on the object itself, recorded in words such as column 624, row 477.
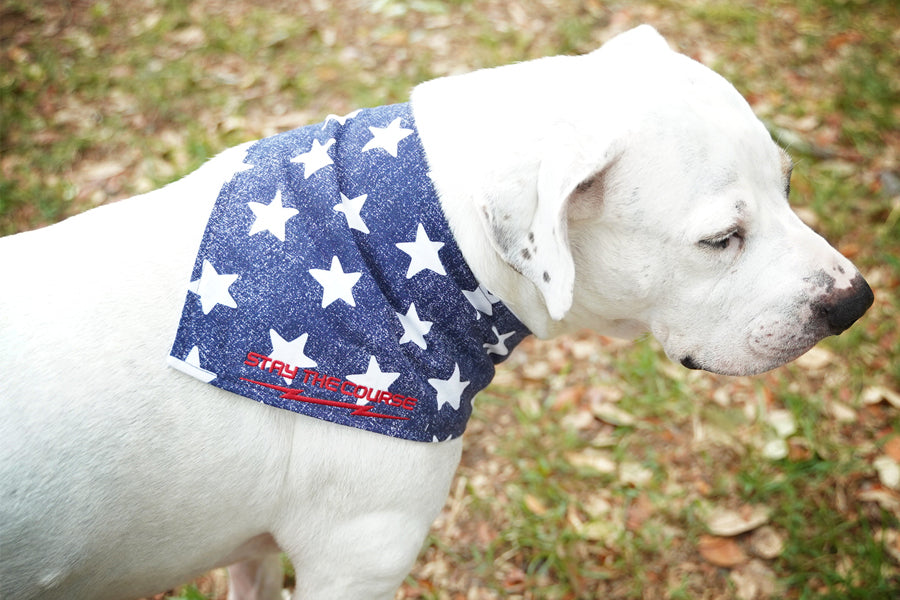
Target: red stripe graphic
column 293, row 394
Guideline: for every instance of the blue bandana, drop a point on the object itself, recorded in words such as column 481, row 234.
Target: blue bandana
column 328, row 283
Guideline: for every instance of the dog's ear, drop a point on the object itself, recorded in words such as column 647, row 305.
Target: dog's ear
column 642, row 40
column 538, row 247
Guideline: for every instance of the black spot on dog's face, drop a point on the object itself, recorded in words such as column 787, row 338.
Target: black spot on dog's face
column 546, row 277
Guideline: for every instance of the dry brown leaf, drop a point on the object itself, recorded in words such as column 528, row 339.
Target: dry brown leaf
column 841, row 412
column 604, row 531
column 597, row 507
column 101, row 171
column 783, row 422
column 754, row 581
column 635, row 474
column 638, row 512
column 578, row 420
column 720, row 551
column 885, row 498
column 726, row 522
column 775, row 449
column 600, row 461
column 799, row 449
column 574, row 518
column 892, row 448
column 891, row 540
column 538, row 371
column 568, row 397
column 534, row 504
column 766, row 543
column 888, row 471
column 612, row 414
column 875, row 394
column 817, row 358
column 514, row 579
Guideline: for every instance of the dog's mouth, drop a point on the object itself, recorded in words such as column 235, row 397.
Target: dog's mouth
column 760, row 363
column 754, row 356
column 689, row 362
column 735, row 370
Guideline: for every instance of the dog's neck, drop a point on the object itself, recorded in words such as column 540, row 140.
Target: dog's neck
column 486, row 135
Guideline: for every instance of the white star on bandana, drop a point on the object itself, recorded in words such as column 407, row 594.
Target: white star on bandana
column 387, row 137
column 213, row 288
column 374, row 379
column 316, row 158
column 271, row 217
column 482, row 300
column 336, row 285
column 351, row 207
column 414, row 329
column 423, row 254
column 449, row 391
column 191, row 366
column 291, row 352
column 499, row 347
column 340, row 120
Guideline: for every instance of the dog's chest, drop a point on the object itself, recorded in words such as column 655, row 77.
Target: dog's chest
column 328, row 283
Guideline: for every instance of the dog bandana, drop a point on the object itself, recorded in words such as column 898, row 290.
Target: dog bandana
column 328, row 283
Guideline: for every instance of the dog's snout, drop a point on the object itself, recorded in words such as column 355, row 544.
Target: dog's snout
column 841, row 308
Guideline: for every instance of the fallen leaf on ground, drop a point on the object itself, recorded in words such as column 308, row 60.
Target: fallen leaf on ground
column 535, row 505
column 720, row 551
column 754, row 581
column 635, row 474
column 514, row 579
column 578, row 420
column 885, row 498
column 602, row 531
column 638, row 512
column 599, row 461
column 876, row 394
column 892, row 448
column 612, row 414
column 101, row 171
column 568, row 397
column 783, row 422
column 817, row 358
column 888, row 471
column 775, row 449
column 841, row 412
column 891, row 540
column 727, row 522
column 766, row 543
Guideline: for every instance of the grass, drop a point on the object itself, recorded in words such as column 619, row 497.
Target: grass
column 558, row 496
column 802, row 493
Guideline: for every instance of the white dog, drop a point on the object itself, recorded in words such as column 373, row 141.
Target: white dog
column 627, row 190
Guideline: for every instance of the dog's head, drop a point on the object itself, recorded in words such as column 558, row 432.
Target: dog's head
column 687, row 233
column 685, row 230
column 658, row 202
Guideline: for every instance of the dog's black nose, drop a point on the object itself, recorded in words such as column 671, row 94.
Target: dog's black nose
column 842, row 308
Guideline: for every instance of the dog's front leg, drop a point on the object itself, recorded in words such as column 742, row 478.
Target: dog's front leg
column 256, row 579
column 366, row 558
column 357, row 507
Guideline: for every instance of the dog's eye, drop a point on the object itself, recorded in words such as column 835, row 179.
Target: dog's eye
column 723, row 242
